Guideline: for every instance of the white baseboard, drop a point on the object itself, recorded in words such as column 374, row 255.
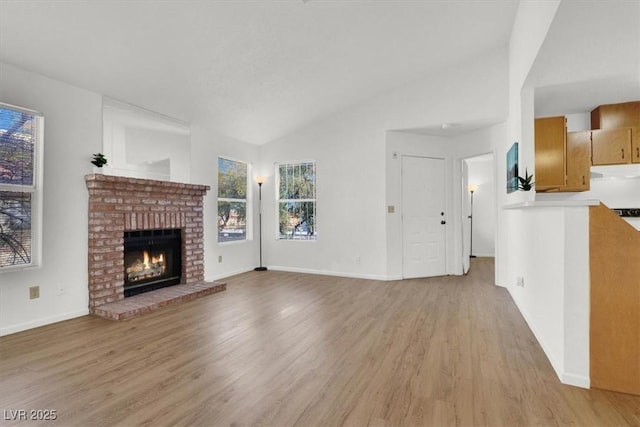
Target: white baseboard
column 333, row 273
column 42, row 322
column 576, row 380
column 229, row 274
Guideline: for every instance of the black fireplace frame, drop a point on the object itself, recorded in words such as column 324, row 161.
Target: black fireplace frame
column 169, row 240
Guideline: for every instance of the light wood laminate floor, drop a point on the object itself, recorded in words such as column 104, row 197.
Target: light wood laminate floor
column 283, row 349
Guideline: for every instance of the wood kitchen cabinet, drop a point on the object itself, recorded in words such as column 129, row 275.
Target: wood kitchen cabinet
column 563, row 160
column 550, row 150
column 611, row 146
column 614, row 326
column 578, row 161
column 635, row 144
column 624, row 146
column 612, row 116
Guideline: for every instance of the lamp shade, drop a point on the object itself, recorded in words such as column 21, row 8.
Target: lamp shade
column 472, row 188
column 260, row 179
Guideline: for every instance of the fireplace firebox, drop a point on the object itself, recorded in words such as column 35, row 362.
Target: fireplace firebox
column 152, row 260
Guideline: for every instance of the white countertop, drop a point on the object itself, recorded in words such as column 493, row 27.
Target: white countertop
column 551, row 204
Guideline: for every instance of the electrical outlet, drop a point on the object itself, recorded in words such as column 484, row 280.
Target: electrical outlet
column 357, row 260
column 34, row 292
column 520, row 281
column 219, row 258
column 61, row 290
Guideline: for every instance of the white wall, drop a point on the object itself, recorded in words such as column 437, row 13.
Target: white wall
column 576, row 297
column 541, row 300
column 72, row 132
column 349, row 155
column 142, row 144
column 206, row 146
column 356, row 236
column 555, row 297
column 578, row 122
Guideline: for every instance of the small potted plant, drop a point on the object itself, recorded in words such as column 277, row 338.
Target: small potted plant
column 525, row 184
column 98, row 160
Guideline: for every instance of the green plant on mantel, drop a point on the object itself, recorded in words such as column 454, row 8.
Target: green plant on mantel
column 99, row 160
column 525, row 184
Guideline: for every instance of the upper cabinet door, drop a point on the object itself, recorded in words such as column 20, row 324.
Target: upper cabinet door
column 550, row 133
column 578, row 161
column 611, row 146
column 611, row 116
column 635, row 144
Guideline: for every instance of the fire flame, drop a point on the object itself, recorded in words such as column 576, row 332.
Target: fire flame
column 154, row 260
column 150, row 266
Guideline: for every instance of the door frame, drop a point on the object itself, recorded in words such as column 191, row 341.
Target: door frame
column 465, row 205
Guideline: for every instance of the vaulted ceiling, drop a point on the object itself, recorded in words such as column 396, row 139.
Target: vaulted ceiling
column 255, row 70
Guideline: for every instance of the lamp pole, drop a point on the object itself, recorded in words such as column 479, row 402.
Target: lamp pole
column 260, row 180
column 472, row 189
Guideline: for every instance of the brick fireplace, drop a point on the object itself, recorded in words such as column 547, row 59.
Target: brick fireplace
column 120, row 204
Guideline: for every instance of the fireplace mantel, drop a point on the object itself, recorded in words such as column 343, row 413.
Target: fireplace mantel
column 119, row 204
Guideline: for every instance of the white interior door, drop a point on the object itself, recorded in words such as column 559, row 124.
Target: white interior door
column 423, row 217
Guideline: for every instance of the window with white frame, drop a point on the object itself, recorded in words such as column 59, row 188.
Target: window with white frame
column 21, row 133
column 232, row 200
column 297, row 201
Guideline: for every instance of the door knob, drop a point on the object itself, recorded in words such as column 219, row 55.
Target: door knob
column 443, row 222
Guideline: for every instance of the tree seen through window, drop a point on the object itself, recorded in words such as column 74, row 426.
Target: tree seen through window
column 19, row 138
column 297, row 201
column 232, row 200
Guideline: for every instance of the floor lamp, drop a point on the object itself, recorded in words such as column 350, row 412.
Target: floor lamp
column 260, row 180
column 472, row 189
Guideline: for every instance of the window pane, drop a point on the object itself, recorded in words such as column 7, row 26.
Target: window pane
column 298, row 181
column 15, row 228
column 297, row 220
column 232, row 200
column 232, row 221
column 232, row 179
column 17, row 141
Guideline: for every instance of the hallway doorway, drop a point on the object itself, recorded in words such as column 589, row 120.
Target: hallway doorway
column 478, row 207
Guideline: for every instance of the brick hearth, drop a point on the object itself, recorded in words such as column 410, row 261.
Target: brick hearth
column 119, row 204
column 150, row 301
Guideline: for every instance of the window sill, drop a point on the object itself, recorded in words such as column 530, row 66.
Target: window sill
column 235, row 242
column 13, row 269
